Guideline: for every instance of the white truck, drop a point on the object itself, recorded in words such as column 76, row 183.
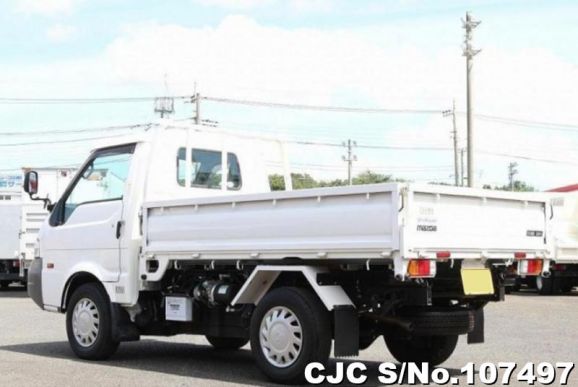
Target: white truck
column 10, row 213
column 176, row 233
column 21, row 220
column 564, row 253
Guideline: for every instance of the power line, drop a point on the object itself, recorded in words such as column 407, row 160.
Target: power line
column 530, row 158
column 41, row 101
column 341, row 109
column 63, row 141
column 345, row 109
column 85, row 130
column 529, row 123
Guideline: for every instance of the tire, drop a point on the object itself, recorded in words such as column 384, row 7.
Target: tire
column 432, row 321
column 88, row 339
column 567, row 288
column 422, row 349
column 227, row 343
column 4, row 284
column 545, row 286
column 294, row 318
column 513, row 288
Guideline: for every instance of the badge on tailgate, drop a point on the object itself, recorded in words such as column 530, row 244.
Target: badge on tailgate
column 477, row 282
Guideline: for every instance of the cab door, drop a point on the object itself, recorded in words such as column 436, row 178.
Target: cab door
column 86, row 224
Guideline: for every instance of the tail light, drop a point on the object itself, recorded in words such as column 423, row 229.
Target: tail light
column 420, row 268
column 443, row 255
column 530, row 267
column 519, row 255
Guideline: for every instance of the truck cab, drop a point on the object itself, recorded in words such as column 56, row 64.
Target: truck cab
column 98, row 217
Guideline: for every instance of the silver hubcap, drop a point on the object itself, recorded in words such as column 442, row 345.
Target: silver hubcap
column 85, row 322
column 281, row 336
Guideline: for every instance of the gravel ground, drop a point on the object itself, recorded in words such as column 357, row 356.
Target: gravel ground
column 34, row 349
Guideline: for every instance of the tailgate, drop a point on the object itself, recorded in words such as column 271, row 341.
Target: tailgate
column 473, row 223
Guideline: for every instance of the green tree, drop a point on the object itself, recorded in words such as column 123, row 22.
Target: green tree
column 304, row 180
column 518, row 186
column 299, row 181
column 369, row 177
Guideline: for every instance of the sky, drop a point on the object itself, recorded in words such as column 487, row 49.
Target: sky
column 392, row 54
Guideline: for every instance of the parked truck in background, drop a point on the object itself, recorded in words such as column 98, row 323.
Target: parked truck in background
column 21, row 220
column 176, row 232
column 10, row 215
column 564, row 269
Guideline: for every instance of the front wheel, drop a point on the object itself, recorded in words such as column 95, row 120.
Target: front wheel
column 422, row 349
column 89, row 323
column 290, row 328
column 226, row 343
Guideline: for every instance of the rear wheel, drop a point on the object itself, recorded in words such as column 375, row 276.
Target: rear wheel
column 567, row 288
column 290, row 328
column 545, row 286
column 421, row 349
column 227, row 343
column 89, row 323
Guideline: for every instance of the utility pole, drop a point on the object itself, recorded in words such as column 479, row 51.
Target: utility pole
column 197, row 99
column 350, row 158
column 455, row 137
column 463, row 173
column 164, row 106
column 469, row 24
column 512, row 172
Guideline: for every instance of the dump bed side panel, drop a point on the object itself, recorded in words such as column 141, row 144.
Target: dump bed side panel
column 461, row 222
column 329, row 224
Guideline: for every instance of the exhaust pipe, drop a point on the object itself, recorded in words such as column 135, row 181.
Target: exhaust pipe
column 404, row 325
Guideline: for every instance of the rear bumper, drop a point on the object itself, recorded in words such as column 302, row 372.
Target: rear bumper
column 35, row 282
column 565, row 273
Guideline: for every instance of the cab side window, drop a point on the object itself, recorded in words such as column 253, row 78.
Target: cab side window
column 206, row 169
column 102, row 179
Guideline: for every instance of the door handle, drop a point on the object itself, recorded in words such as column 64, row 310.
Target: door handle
column 118, row 228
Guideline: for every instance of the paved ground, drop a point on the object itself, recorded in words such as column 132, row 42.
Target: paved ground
column 34, row 350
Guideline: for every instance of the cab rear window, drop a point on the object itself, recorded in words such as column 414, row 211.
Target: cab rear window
column 206, row 169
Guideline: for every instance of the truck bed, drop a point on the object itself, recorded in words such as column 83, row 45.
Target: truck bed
column 565, row 227
column 382, row 221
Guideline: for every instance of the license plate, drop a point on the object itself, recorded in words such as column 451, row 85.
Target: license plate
column 477, row 282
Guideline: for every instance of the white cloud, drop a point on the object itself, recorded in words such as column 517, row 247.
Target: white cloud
column 312, row 5
column 46, row 7
column 234, row 4
column 375, row 66
column 294, row 5
column 59, row 33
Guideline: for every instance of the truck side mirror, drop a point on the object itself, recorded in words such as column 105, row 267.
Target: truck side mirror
column 31, row 183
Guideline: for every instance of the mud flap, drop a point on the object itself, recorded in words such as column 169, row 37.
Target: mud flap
column 477, row 335
column 346, row 331
column 122, row 328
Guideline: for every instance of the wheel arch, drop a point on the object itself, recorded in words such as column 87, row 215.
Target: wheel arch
column 264, row 277
column 73, row 283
